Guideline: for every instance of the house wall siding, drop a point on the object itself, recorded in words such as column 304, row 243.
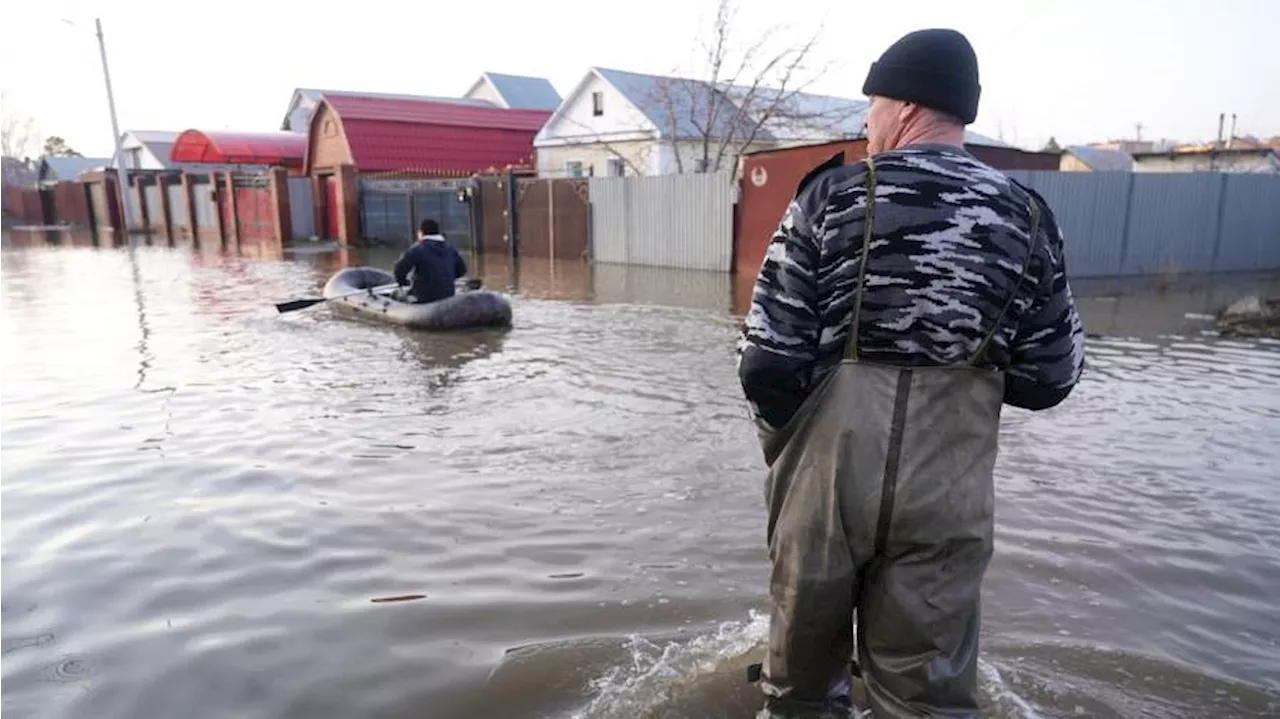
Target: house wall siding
column 1071, row 163
column 148, row 159
column 640, row 155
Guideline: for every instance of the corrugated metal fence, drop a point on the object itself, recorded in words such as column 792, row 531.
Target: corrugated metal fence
column 1125, row 224
column 683, row 221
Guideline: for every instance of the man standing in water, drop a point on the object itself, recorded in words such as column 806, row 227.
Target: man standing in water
column 883, row 338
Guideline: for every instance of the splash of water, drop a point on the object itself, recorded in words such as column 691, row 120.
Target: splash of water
column 661, row 674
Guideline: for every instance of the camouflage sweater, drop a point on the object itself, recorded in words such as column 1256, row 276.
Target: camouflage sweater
column 951, row 235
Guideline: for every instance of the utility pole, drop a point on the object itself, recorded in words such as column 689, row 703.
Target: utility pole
column 1139, row 135
column 121, row 173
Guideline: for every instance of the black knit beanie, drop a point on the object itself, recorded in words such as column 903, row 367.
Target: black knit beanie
column 935, row 68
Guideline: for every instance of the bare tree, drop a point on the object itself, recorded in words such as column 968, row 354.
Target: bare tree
column 18, row 140
column 746, row 95
column 55, row 146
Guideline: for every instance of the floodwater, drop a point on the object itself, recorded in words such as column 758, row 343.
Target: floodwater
column 204, row 502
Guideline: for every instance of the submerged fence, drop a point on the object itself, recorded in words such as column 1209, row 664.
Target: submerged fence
column 1118, row 224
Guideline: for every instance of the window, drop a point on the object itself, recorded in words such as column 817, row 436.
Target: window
column 573, row 168
column 614, row 167
column 597, row 104
column 135, row 158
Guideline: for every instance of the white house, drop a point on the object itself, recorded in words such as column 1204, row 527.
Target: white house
column 623, row 123
column 514, row 92
column 146, row 149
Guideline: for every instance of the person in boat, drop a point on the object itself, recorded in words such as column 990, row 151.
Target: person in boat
column 430, row 267
column 903, row 300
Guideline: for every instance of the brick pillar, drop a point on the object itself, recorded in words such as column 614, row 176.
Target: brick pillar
column 234, row 229
column 348, row 204
column 191, row 209
column 279, row 185
column 167, row 214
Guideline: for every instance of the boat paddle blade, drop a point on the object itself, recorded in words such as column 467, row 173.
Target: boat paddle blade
column 297, row 305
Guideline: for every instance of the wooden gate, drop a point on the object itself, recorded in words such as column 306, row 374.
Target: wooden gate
column 255, row 215
column 552, row 218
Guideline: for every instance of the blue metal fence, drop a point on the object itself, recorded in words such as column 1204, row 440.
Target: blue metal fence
column 1125, row 224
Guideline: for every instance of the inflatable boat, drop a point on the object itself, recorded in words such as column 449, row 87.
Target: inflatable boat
column 467, row 309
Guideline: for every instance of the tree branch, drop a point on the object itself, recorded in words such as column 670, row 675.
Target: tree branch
column 742, row 94
column 598, row 139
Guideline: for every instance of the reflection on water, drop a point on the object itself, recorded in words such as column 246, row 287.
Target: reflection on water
column 203, row 498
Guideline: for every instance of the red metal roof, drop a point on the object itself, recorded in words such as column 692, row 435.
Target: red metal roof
column 399, row 134
column 282, row 149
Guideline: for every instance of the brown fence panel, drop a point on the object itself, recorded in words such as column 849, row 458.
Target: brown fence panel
column 71, row 204
column 36, row 207
column 552, row 218
column 22, row 206
column 572, row 221
column 532, row 231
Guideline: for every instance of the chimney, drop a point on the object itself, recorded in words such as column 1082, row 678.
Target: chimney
column 1222, row 118
column 1231, row 140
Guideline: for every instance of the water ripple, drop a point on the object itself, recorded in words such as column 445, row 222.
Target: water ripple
column 202, row 498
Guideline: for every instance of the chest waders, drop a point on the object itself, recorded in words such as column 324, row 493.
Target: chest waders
column 881, row 503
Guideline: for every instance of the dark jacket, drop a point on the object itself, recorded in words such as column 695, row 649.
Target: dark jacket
column 951, row 235
column 435, row 265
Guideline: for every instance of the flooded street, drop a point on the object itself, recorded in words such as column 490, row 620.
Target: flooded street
column 204, row 501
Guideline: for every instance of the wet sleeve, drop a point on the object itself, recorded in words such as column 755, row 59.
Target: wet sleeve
column 779, row 341
column 1048, row 349
column 402, row 267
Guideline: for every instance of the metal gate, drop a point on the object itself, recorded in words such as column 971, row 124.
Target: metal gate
column 255, row 216
column 301, row 208
column 392, row 208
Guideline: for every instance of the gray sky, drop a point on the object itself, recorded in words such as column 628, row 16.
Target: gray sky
column 1081, row 71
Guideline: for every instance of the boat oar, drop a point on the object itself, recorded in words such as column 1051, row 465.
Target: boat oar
column 303, row 304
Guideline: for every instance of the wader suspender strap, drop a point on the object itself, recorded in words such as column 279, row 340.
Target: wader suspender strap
column 1034, row 208
column 851, row 342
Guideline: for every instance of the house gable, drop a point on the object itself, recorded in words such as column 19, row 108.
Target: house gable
column 301, row 105
column 327, row 145
column 575, row 122
column 483, row 89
